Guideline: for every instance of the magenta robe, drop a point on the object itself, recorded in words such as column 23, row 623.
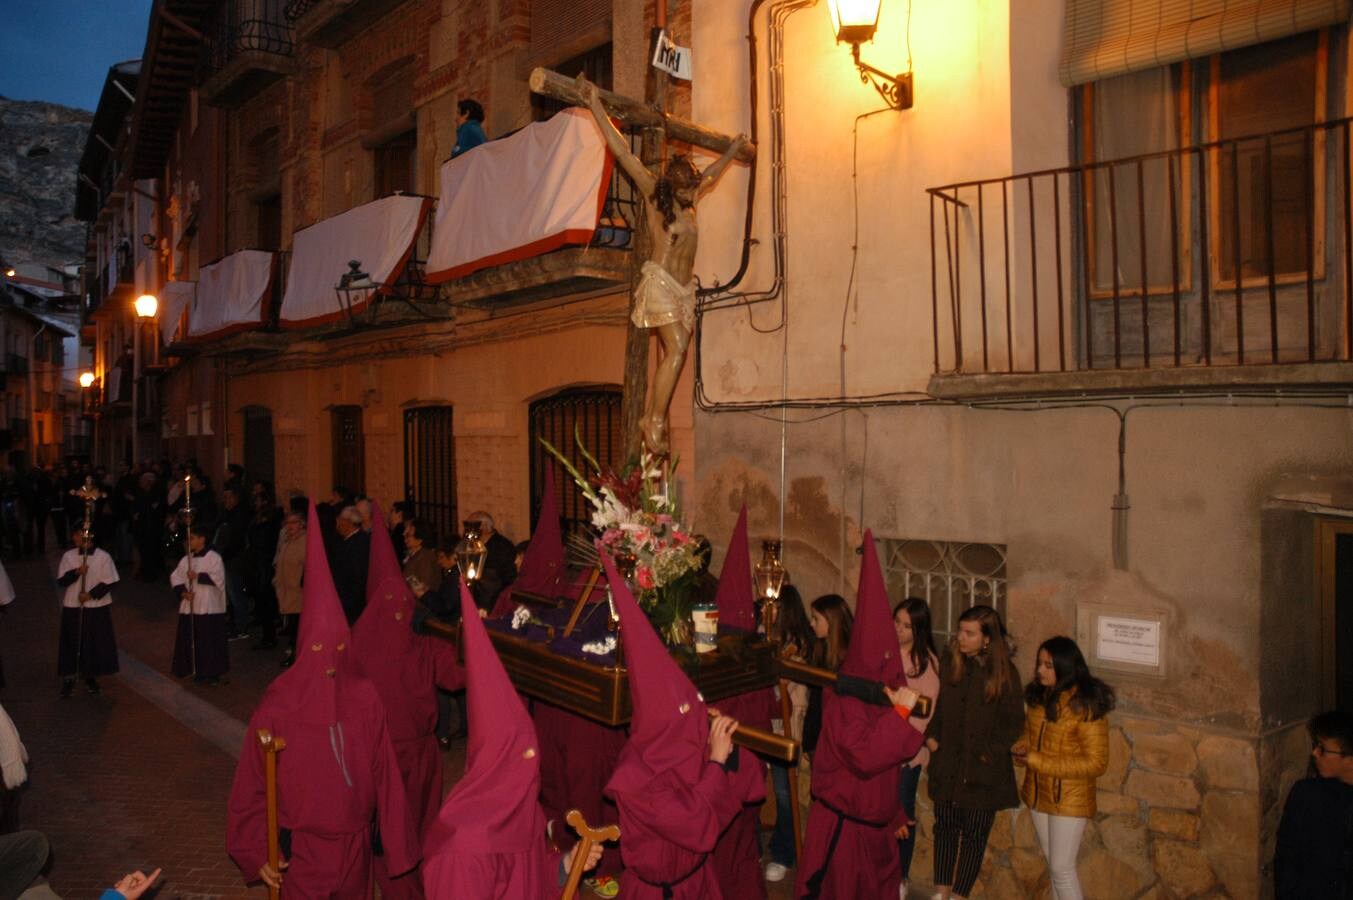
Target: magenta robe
column 328, row 805
column 407, row 685
column 855, row 771
column 736, row 859
column 667, row 831
column 577, row 757
column 533, row 875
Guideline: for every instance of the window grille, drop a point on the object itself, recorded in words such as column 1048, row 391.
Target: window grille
column 430, row 467
column 595, row 414
column 949, row 575
column 349, row 449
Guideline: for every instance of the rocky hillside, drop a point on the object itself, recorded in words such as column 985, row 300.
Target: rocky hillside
column 40, row 147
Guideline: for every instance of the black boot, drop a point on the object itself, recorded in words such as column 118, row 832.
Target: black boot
column 67, row 687
column 92, row 685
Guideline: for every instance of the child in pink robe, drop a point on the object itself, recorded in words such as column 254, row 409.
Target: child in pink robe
column 406, row 669
column 675, row 782
column 338, row 772
column 850, row 849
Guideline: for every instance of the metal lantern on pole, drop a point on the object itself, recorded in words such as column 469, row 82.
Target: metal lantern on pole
column 471, row 553
column 770, row 572
column 353, row 288
column 856, row 21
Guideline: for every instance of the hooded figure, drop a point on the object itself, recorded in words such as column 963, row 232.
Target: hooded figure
column 406, row 669
column 489, row 841
column 850, row 849
column 338, row 773
column 542, row 568
column 673, row 783
column 737, row 857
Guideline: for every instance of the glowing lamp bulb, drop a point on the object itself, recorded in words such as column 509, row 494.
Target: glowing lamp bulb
column 854, row 21
column 86, row 379
column 146, row 306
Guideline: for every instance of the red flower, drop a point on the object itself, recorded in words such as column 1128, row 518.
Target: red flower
column 644, row 576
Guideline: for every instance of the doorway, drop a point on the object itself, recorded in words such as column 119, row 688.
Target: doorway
column 1334, row 584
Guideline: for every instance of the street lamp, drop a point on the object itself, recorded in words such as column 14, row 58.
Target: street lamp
column 856, row 21
column 354, row 286
column 146, row 306
column 86, row 380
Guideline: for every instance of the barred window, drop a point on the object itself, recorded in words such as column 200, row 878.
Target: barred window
column 949, row 575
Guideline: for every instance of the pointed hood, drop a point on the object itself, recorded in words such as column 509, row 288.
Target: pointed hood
column 384, row 628
column 737, row 608
column 494, row 808
column 543, row 564
column 669, row 726
column 873, row 652
column 309, row 688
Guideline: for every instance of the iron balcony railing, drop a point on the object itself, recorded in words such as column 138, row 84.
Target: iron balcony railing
column 242, row 26
column 620, row 212
column 297, row 8
column 1234, row 252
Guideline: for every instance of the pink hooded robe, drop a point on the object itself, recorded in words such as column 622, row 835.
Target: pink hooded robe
column 488, row 842
column 850, row 848
column 673, row 801
column 406, row 669
column 737, row 856
column 577, row 755
column 338, row 772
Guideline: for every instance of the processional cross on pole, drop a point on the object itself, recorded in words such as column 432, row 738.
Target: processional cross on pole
column 662, row 295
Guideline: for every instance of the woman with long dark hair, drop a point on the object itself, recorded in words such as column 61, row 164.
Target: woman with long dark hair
column 831, row 620
column 916, row 644
column 1065, row 748
column 978, row 717
column 796, row 642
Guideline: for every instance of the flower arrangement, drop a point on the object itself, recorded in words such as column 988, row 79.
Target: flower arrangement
column 635, row 517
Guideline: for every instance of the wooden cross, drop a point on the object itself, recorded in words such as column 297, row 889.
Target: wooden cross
column 656, row 126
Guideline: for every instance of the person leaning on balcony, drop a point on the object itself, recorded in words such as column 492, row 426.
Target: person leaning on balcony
column 1314, row 855
column 978, row 716
column 1065, row 748
column 469, row 126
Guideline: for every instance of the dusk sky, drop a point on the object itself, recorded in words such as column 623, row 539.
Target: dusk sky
column 60, row 50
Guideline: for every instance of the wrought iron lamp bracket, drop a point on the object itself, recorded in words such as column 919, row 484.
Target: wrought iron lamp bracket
column 895, row 89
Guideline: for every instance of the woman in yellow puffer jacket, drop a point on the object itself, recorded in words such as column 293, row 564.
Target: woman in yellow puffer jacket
column 1065, row 748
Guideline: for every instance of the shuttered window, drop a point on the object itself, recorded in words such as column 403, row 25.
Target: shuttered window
column 1103, row 38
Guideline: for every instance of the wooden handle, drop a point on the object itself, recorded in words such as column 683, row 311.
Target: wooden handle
column 767, row 743
column 587, row 837
column 271, row 747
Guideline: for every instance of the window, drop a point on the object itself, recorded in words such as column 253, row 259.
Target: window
column 594, row 415
column 430, row 467
column 269, row 211
column 349, row 448
column 259, row 450
column 595, row 64
column 950, row 576
column 1126, row 118
column 395, row 164
column 1269, row 189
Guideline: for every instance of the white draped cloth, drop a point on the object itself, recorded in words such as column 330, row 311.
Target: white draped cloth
column 176, row 298
column 380, row 235
column 527, row 194
column 232, row 294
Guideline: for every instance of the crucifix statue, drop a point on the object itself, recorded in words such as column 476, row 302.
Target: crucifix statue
column 663, row 298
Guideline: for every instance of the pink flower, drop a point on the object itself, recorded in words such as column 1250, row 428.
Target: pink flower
column 644, row 576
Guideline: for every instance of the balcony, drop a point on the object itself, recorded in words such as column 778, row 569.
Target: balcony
column 248, row 46
column 1225, row 264
column 330, row 23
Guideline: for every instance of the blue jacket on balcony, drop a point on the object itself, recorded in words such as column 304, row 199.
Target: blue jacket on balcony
column 469, row 134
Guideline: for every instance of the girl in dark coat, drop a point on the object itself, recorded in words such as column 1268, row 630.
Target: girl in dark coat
column 978, row 717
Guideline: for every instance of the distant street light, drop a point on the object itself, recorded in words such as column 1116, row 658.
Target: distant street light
column 86, row 379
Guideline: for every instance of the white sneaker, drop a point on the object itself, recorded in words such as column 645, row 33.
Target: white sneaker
column 776, row 872
column 902, row 890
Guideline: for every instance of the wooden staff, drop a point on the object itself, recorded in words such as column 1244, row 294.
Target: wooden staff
column 192, row 588
column 796, row 815
column 89, row 494
column 587, row 836
column 766, row 743
column 271, row 747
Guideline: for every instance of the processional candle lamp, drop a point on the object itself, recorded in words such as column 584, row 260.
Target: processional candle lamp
column 770, row 578
column 471, row 553
column 625, row 565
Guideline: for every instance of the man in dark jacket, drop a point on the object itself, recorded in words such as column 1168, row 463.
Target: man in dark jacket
column 501, row 563
column 1314, row 856
column 349, row 558
column 230, row 541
